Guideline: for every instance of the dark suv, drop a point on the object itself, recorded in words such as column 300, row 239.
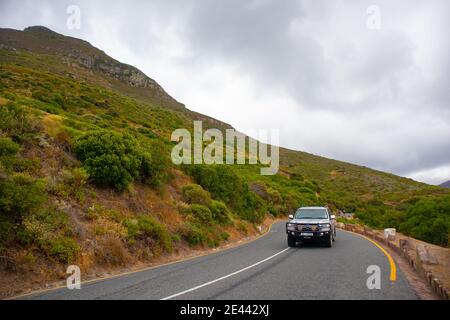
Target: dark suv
column 311, row 224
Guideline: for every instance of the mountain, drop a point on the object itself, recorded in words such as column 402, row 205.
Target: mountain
column 86, row 179
column 445, row 184
column 81, row 54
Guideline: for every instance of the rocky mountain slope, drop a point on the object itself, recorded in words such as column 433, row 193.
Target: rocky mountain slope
column 79, row 54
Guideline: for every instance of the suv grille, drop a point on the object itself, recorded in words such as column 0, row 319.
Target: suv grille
column 307, row 227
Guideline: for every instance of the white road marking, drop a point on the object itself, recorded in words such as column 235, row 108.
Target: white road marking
column 224, row 277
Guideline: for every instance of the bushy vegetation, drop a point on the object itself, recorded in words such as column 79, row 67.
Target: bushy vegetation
column 226, row 185
column 25, row 216
column 193, row 193
column 20, row 196
column 429, row 220
column 64, row 249
column 220, row 212
column 115, row 159
column 200, row 213
column 194, row 234
column 146, row 227
column 425, row 219
column 155, row 164
column 15, row 123
column 8, row 147
column 205, row 208
column 110, row 158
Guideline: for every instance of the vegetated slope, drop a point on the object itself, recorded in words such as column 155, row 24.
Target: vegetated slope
column 85, row 175
column 445, row 184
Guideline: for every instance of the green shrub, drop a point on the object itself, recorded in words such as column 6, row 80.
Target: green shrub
column 42, row 227
column 224, row 236
column 201, row 213
column 156, row 230
column 64, row 249
column 193, row 193
column 213, row 243
column 15, row 122
column 6, row 229
column 242, row 228
column 133, row 229
column 155, row 164
column 194, row 235
column 176, row 238
column 146, row 226
column 253, row 208
column 274, row 196
column 225, row 184
column 220, row 180
column 115, row 159
column 220, row 212
column 8, row 147
column 429, row 220
column 8, row 158
column 19, row 164
column 111, row 159
column 306, row 190
column 20, row 196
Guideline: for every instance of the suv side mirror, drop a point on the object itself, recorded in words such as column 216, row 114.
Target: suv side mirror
column 333, row 217
column 291, row 217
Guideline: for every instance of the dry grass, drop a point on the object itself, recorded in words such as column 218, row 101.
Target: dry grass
column 111, row 251
column 52, row 124
column 3, row 101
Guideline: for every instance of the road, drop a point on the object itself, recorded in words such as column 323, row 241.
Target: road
column 262, row 269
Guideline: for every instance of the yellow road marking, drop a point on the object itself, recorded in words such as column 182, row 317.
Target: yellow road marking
column 147, row 268
column 393, row 274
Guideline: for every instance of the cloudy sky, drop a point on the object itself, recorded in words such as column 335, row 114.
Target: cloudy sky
column 361, row 81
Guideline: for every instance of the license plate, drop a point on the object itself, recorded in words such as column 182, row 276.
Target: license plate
column 306, row 234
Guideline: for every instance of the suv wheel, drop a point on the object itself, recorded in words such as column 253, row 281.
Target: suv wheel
column 329, row 241
column 291, row 241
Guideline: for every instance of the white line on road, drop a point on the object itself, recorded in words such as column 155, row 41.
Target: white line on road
column 224, row 277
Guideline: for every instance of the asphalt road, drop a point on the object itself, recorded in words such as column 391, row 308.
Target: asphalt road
column 262, row 269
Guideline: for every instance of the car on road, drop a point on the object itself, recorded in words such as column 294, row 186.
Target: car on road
column 311, row 224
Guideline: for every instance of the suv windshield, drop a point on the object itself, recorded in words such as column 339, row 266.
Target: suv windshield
column 311, row 214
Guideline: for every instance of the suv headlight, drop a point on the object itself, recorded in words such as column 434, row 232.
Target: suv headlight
column 291, row 226
column 325, row 227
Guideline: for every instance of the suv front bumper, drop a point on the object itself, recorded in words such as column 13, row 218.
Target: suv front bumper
column 308, row 234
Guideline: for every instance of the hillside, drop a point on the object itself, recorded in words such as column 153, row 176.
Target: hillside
column 85, row 175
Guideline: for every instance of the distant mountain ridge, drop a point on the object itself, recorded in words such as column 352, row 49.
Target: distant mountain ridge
column 445, row 184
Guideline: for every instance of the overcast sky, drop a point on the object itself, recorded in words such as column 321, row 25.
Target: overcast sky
column 333, row 80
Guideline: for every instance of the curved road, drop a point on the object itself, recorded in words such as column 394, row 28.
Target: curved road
column 262, row 269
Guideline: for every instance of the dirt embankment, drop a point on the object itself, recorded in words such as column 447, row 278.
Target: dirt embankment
column 40, row 274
